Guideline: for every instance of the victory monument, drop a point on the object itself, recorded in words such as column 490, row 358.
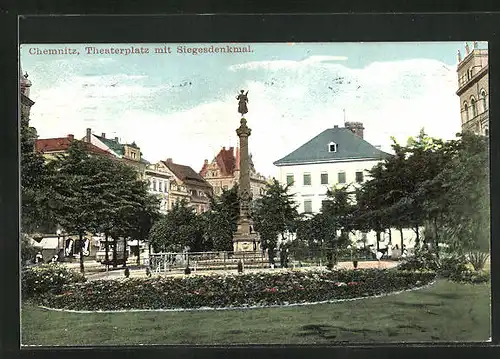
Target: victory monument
column 244, row 239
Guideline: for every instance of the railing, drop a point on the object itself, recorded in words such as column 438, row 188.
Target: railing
column 171, row 261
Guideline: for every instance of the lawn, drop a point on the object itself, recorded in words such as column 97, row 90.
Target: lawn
column 446, row 311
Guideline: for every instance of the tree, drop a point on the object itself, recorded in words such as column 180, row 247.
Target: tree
column 74, row 204
column 220, row 223
column 466, row 225
column 35, row 183
column 274, row 214
column 178, row 229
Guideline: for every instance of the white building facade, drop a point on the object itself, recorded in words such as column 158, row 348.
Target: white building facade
column 336, row 157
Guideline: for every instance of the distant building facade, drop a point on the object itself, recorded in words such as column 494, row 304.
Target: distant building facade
column 473, row 89
column 186, row 184
column 159, row 184
column 224, row 172
column 129, row 153
column 338, row 156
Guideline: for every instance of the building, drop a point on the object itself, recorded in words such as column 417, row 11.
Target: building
column 472, row 72
column 186, row 184
column 337, row 156
column 159, row 184
column 129, row 153
column 224, row 172
column 54, row 148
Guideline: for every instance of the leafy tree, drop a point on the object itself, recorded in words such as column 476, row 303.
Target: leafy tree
column 274, row 214
column 178, row 229
column 35, row 183
column 466, row 224
column 28, row 251
column 74, row 203
column 220, row 223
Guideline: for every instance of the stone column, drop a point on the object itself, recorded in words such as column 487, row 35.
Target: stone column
column 243, row 239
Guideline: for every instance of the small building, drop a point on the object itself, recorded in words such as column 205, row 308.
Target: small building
column 224, row 172
column 53, row 148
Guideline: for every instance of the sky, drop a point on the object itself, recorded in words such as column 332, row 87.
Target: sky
column 183, row 106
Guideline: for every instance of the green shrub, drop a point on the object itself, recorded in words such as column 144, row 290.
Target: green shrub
column 478, row 259
column 422, row 260
column 233, row 290
column 452, row 265
column 47, row 279
column 473, row 277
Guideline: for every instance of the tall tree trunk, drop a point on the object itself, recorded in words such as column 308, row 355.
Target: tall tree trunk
column 378, row 241
column 436, row 237
column 106, row 248
column 138, row 253
column 115, row 254
column 402, row 239
column 417, row 239
column 390, row 236
column 124, row 252
column 82, row 267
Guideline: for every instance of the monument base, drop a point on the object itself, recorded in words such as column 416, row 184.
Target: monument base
column 246, row 242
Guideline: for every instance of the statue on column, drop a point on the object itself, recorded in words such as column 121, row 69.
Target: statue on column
column 242, row 102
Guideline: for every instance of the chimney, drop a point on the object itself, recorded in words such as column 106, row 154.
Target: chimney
column 71, row 137
column 356, row 128
column 231, row 149
column 116, row 139
column 335, row 126
column 103, row 135
column 378, row 147
column 223, row 148
column 169, row 160
column 206, row 162
column 88, row 136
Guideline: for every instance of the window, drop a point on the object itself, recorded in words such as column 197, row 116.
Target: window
column 154, row 185
column 332, row 147
column 307, row 179
column 289, row 180
column 341, row 177
column 359, row 177
column 133, row 155
column 160, row 189
column 486, row 132
column 473, row 105
column 308, row 206
column 324, row 178
column 466, row 111
column 483, row 99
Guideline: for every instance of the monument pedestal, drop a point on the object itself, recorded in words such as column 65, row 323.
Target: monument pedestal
column 246, row 242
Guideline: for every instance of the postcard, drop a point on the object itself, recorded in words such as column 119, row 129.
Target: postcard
column 254, row 193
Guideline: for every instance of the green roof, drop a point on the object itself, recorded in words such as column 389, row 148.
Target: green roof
column 114, row 146
column 349, row 147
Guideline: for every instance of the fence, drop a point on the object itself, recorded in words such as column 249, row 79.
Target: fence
column 165, row 262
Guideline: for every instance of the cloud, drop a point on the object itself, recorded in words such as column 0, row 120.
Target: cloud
column 289, row 103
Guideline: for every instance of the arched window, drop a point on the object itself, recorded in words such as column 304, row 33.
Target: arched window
column 466, row 111
column 484, row 100
column 473, row 105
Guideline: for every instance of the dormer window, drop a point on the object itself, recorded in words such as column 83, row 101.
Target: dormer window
column 332, row 147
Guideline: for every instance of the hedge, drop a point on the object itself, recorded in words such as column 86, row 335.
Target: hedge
column 46, row 279
column 259, row 289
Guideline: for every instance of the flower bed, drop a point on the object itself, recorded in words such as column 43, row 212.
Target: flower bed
column 259, row 289
column 47, row 279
